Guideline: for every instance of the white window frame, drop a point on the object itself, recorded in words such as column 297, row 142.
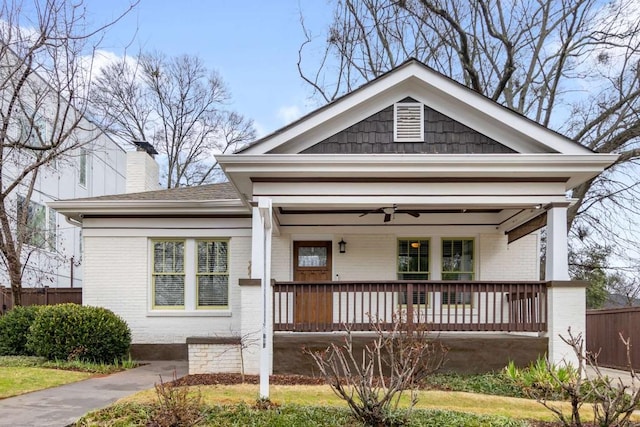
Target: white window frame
column 155, row 274
column 83, row 169
column 49, row 227
column 398, row 138
column 218, row 274
column 190, row 307
column 473, row 272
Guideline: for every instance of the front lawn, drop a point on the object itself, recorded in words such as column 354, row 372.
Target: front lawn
column 308, row 405
column 24, row 374
column 20, row 380
column 289, row 415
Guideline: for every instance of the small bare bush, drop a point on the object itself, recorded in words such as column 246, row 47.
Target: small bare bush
column 175, row 406
column 372, row 383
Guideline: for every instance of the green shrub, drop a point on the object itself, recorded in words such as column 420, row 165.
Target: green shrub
column 14, row 330
column 75, row 332
column 540, row 379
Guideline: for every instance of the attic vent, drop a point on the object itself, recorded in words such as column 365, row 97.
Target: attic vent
column 408, row 123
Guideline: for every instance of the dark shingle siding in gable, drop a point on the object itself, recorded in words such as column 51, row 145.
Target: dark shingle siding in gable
column 443, row 135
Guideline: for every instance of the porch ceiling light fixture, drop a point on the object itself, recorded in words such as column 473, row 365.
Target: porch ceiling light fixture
column 342, row 246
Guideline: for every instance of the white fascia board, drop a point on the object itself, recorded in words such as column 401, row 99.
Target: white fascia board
column 77, row 209
column 432, row 89
column 576, row 168
column 488, row 117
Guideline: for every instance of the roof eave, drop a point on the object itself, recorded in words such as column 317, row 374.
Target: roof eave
column 79, row 209
column 578, row 168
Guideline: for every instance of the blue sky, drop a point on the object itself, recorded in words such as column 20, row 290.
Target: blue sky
column 253, row 44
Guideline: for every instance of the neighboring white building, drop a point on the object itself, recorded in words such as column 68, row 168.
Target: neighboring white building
column 96, row 169
column 413, row 194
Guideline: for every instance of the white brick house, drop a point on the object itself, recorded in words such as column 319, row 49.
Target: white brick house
column 412, row 193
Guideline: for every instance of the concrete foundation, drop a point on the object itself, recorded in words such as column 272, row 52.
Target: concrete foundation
column 467, row 353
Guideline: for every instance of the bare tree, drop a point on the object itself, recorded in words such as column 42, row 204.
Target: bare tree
column 46, row 51
column 178, row 105
column 625, row 288
column 570, row 65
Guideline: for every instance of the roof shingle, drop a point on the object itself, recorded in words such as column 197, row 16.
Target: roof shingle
column 219, row 191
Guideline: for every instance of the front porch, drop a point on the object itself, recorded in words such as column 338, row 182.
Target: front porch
column 483, row 324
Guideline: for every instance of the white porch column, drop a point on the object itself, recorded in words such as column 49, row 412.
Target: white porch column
column 260, row 320
column 565, row 299
column 557, row 266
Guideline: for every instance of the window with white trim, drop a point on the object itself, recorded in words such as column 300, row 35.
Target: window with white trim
column 33, row 130
column 457, row 264
column 84, row 166
column 168, row 274
column 413, row 264
column 189, row 274
column 212, row 274
column 40, row 225
column 408, row 122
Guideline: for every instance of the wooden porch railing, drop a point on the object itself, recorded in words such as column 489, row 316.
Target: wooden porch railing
column 438, row 305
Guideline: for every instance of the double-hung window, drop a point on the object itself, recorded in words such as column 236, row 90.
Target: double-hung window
column 212, row 274
column 37, row 224
column 413, row 264
column 168, row 274
column 190, row 274
column 457, row 264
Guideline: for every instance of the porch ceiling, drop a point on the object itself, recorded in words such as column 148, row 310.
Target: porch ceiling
column 357, row 218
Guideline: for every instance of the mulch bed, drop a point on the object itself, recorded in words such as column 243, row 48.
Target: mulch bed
column 233, row 379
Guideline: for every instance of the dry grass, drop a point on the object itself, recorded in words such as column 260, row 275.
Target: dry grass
column 323, row 396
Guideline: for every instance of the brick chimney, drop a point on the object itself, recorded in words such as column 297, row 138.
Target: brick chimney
column 143, row 173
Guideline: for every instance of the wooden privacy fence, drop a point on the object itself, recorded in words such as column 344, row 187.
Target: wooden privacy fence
column 40, row 296
column 603, row 329
column 437, row 305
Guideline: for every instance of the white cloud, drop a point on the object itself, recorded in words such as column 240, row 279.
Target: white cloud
column 288, row 114
column 260, row 130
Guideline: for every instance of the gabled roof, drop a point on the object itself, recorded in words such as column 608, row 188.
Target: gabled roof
column 415, row 79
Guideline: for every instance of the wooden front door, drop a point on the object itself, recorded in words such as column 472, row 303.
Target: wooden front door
column 312, row 263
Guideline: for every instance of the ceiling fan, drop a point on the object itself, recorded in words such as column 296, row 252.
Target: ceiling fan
column 389, row 211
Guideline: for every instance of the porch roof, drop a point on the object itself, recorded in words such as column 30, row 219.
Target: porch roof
column 244, row 171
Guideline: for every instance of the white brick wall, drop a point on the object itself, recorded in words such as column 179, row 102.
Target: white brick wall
column 516, row 261
column 214, row 358
column 142, row 172
column 117, row 278
column 281, row 258
column 251, row 327
column 368, row 257
column 566, row 309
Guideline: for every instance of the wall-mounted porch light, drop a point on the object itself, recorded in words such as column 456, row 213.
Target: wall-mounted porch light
column 342, row 246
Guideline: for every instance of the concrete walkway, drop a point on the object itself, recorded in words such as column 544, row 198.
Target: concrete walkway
column 615, row 374
column 61, row 406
